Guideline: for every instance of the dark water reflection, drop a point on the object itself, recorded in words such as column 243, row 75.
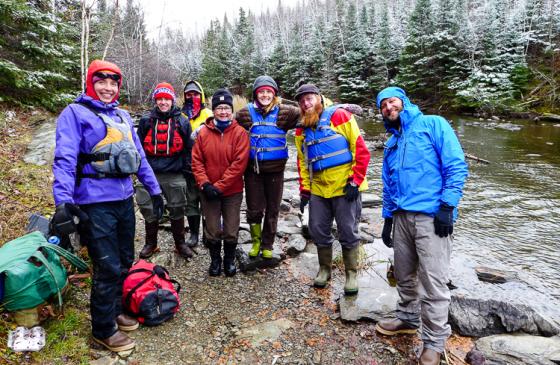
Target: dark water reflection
column 510, row 213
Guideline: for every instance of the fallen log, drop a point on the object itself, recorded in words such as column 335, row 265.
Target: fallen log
column 477, row 159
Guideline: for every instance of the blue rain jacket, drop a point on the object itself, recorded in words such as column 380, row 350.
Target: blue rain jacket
column 423, row 163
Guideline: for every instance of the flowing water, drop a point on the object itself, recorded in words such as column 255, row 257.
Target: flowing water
column 510, row 212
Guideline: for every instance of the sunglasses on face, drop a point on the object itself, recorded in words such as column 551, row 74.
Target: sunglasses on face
column 103, row 76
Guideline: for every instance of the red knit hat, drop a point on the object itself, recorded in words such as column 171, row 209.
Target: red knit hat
column 164, row 90
column 265, row 87
column 101, row 66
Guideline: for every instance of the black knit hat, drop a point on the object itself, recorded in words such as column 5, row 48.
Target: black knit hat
column 306, row 89
column 222, row 96
column 264, row 81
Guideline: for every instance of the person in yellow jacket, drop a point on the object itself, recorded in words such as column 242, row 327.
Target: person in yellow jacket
column 332, row 165
column 196, row 112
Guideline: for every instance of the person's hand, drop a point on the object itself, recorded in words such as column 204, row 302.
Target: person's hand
column 304, row 197
column 387, row 230
column 63, row 219
column 352, row 191
column 157, row 205
column 211, row 192
column 443, row 221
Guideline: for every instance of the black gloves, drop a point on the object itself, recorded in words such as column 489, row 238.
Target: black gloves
column 304, row 197
column 443, row 221
column 211, row 192
column 351, row 191
column 387, row 230
column 63, row 222
column 157, row 206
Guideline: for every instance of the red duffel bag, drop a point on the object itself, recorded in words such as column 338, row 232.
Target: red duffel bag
column 149, row 294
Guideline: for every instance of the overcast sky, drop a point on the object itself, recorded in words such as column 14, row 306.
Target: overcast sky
column 195, row 15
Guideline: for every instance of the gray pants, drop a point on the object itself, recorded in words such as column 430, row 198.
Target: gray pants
column 193, row 197
column 174, row 188
column 421, row 269
column 347, row 214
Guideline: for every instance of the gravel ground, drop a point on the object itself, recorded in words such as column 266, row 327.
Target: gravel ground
column 268, row 317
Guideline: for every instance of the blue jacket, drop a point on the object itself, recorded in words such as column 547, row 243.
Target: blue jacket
column 423, row 164
column 77, row 131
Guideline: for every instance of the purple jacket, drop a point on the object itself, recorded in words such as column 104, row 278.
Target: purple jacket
column 78, row 130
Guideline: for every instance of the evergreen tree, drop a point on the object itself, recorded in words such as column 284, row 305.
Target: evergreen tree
column 417, row 73
column 38, row 53
column 243, row 48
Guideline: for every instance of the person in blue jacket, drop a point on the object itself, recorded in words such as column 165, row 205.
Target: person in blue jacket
column 424, row 171
column 97, row 151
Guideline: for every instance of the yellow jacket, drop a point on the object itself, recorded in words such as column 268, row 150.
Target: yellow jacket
column 330, row 182
column 204, row 114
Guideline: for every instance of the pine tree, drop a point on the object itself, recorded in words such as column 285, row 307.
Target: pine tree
column 38, row 53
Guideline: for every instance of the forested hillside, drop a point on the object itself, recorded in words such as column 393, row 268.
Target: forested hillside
column 491, row 55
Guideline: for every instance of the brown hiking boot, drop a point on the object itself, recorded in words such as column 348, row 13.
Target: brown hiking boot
column 151, row 240
column 430, row 357
column 127, row 323
column 178, row 232
column 395, row 326
column 117, row 342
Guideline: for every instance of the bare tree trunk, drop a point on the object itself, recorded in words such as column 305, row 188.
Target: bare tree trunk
column 84, row 60
column 113, row 26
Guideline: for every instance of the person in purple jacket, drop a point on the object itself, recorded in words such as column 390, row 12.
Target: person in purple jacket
column 97, row 151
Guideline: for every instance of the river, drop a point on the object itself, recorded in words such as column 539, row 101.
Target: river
column 510, row 212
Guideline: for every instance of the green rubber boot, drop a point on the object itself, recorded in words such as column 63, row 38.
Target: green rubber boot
column 350, row 258
column 325, row 267
column 256, row 236
column 266, row 254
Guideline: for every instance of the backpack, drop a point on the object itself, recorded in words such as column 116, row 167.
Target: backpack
column 149, row 293
column 32, row 271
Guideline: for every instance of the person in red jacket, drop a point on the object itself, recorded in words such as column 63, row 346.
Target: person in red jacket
column 219, row 159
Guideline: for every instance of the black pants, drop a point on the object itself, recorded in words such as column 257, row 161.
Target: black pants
column 263, row 195
column 110, row 243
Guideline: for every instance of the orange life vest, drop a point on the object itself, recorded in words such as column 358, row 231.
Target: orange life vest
column 163, row 139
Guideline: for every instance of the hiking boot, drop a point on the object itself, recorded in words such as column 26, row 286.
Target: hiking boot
column 395, row 326
column 178, row 231
column 256, row 230
column 430, row 357
column 229, row 258
column 215, row 248
column 325, row 266
column 118, row 342
column 194, row 226
column 350, row 258
column 151, row 240
column 266, row 254
column 127, row 323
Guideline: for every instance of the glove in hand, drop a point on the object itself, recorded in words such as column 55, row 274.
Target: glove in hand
column 157, row 205
column 387, row 230
column 304, row 197
column 352, row 192
column 211, row 192
column 443, row 221
column 63, row 220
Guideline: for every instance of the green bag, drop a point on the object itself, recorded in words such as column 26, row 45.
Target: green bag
column 33, row 271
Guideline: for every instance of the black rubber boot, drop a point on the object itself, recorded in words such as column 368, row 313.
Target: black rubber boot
column 178, row 231
column 194, row 225
column 229, row 258
column 215, row 248
column 151, row 240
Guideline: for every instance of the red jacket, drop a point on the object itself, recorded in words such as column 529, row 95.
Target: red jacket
column 221, row 159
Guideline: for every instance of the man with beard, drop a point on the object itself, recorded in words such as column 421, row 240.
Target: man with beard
column 424, row 171
column 332, row 165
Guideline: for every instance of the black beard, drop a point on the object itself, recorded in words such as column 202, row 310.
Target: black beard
column 393, row 124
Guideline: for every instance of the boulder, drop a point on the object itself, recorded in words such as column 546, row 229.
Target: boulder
column 481, row 309
column 520, row 349
column 295, row 244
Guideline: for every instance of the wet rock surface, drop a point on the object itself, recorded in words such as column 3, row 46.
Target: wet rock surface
column 482, row 309
column 520, row 349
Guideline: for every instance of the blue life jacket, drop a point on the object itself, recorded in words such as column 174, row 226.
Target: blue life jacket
column 268, row 142
column 326, row 148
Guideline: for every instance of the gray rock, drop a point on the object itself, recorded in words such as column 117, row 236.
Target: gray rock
column 106, row 360
column 371, row 200
column 480, row 309
column 244, row 237
column 494, row 276
column 247, row 263
column 287, row 228
column 285, row 206
column 375, row 299
column 268, row 331
column 520, row 349
column 40, row 150
column 295, row 244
